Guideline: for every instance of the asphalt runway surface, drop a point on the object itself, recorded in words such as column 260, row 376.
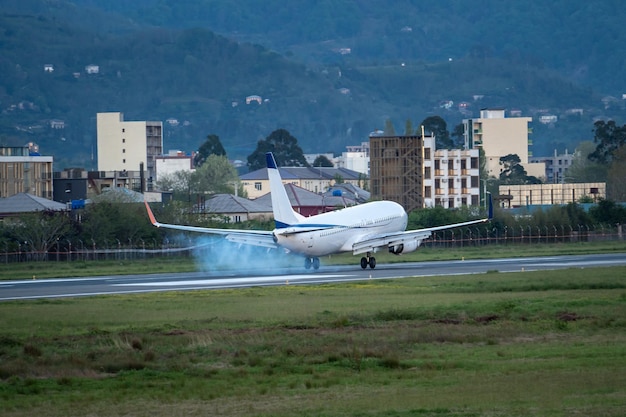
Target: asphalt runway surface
column 128, row 284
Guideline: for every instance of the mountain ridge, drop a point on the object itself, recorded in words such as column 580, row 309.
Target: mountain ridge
column 203, row 78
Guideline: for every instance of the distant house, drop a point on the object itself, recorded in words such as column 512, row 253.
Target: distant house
column 92, row 69
column 57, row 124
column 308, row 203
column 237, row 209
column 578, row 111
column 27, row 203
column 548, row 119
column 446, row 104
column 313, row 179
column 254, row 98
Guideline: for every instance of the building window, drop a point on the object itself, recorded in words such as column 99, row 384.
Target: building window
column 427, row 192
column 474, row 163
column 124, row 161
column 426, row 153
column 123, row 150
column 427, row 173
column 258, row 186
column 123, row 140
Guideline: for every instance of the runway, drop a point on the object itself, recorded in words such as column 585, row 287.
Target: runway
column 128, row 284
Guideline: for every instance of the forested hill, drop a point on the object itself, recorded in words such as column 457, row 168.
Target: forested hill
column 159, row 60
column 584, row 40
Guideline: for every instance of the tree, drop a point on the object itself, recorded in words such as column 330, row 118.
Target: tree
column 458, row 136
column 322, row 161
column 609, row 138
column 513, row 172
column 408, row 128
column 212, row 146
column 40, row 231
column 215, row 176
column 285, row 147
column 583, row 169
column 179, row 182
column 615, row 182
column 437, row 127
column 607, row 211
column 389, row 129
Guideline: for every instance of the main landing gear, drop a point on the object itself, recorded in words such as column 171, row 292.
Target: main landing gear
column 368, row 260
column 312, row 262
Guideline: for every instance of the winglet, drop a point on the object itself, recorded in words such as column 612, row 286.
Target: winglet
column 153, row 219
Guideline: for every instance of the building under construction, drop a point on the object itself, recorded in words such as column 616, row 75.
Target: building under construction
column 412, row 172
column 397, row 169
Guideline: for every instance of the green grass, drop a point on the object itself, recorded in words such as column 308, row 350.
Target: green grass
column 516, row 344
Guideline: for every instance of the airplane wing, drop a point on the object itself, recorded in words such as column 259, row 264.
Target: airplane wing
column 409, row 238
column 373, row 242
column 250, row 237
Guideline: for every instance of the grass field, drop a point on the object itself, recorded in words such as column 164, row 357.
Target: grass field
column 519, row 344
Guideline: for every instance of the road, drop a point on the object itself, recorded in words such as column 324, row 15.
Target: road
column 127, row 284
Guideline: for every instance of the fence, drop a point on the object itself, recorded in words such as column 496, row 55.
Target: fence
column 68, row 251
column 479, row 236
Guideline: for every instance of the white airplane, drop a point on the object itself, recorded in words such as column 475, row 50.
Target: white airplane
column 365, row 228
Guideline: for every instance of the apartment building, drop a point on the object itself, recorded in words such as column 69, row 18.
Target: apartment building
column 23, row 170
column 125, row 145
column 499, row 136
column 412, row 172
column 556, row 166
column 172, row 162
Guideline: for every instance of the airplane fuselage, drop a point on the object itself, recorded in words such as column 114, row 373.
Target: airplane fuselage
column 337, row 231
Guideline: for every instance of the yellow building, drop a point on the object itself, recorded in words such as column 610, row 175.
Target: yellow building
column 499, row 136
column 538, row 194
column 23, row 172
column 124, row 146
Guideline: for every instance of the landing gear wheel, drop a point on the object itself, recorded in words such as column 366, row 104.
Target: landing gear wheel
column 364, row 262
column 372, row 262
column 312, row 262
column 316, row 263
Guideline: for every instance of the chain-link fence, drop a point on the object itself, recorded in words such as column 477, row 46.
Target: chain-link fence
column 71, row 251
column 489, row 235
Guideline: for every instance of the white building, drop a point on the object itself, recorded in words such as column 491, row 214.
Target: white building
column 451, row 176
column 356, row 158
column 172, row 162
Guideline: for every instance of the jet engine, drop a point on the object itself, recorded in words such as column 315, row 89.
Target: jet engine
column 405, row 247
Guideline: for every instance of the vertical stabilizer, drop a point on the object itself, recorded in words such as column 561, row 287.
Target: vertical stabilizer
column 284, row 215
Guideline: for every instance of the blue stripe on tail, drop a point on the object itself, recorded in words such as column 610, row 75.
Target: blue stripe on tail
column 271, row 162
